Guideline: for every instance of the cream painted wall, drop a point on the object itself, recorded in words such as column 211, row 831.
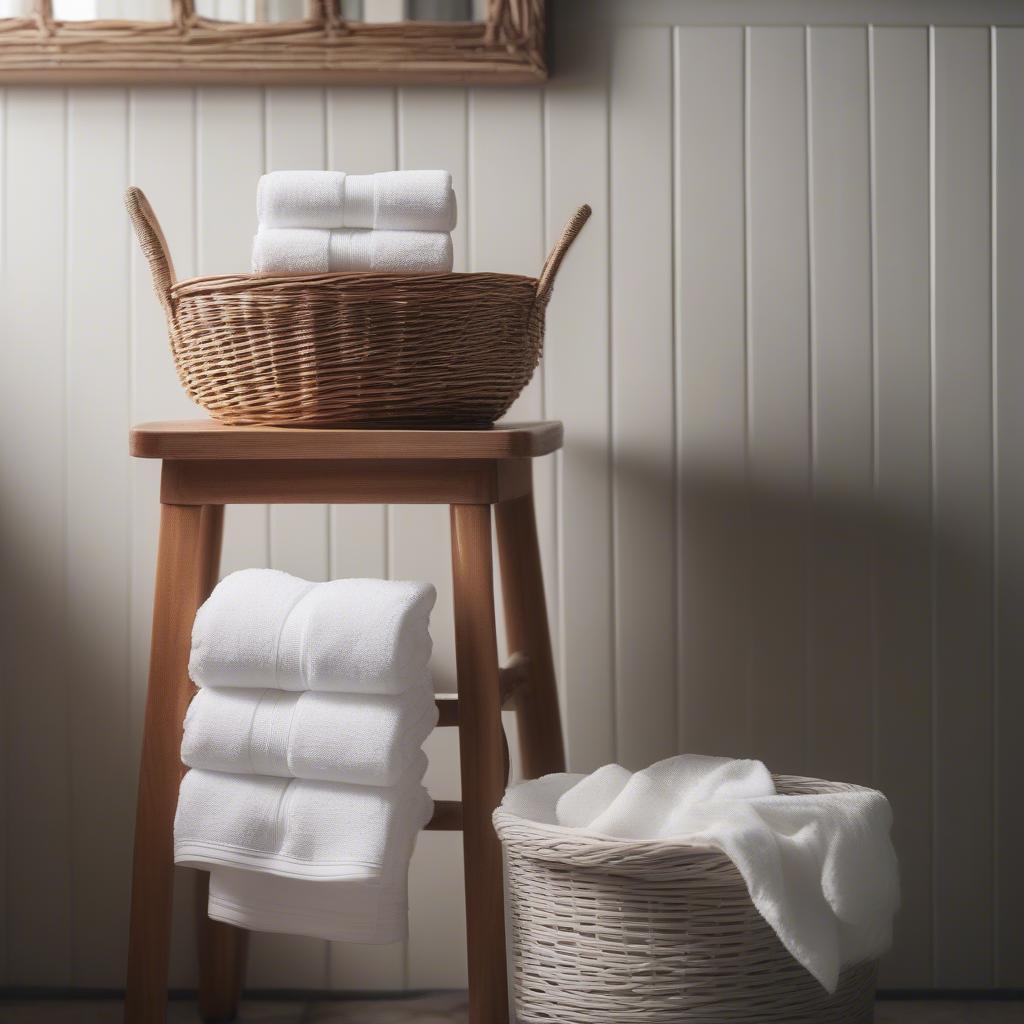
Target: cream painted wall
column 787, row 519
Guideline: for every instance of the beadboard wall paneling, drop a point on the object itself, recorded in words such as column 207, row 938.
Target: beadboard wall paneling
column 1008, row 52
column 37, row 688
column 643, row 507
column 901, row 517
column 962, row 486
column 713, row 545
column 779, row 396
column 97, row 403
column 788, row 521
column 578, row 384
column 839, row 694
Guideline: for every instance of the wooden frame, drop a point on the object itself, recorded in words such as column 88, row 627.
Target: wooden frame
column 324, row 48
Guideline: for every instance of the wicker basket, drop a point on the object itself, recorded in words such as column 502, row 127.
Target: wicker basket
column 609, row 931
column 352, row 349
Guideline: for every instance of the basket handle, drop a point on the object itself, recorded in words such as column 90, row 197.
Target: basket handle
column 153, row 244
column 547, row 276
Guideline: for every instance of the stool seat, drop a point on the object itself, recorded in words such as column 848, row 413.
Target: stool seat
column 207, row 439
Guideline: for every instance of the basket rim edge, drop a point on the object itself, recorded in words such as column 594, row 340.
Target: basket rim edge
column 502, row 818
column 193, row 284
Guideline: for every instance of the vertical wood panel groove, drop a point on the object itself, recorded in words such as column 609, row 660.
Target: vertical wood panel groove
column 994, row 469
column 5, row 675
column 748, row 388
column 677, row 382
column 812, row 407
column 673, row 197
column 872, row 228
column 901, row 545
column 613, row 570
column 933, row 660
column 871, row 765
column 963, row 511
column 1009, row 654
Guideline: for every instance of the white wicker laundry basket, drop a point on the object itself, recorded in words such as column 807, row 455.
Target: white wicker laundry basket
column 608, row 931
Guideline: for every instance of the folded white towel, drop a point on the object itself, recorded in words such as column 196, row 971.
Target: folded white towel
column 319, row 251
column 264, row 629
column 296, row 828
column 388, row 201
column 820, row 868
column 357, row 738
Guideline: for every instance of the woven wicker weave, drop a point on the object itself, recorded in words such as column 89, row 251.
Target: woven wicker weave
column 609, row 931
column 352, row 349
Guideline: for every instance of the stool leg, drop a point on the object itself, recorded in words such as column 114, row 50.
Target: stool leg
column 222, row 948
column 480, row 747
column 178, row 584
column 526, row 623
column 222, row 953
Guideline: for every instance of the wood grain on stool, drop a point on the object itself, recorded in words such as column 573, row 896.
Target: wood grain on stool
column 174, row 607
column 207, row 439
column 481, row 759
column 526, row 622
column 222, row 948
column 205, row 466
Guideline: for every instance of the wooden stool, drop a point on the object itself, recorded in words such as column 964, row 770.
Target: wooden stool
column 206, row 466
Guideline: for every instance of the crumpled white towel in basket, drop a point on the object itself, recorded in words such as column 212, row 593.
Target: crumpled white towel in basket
column 362, row 739
column 820, row 868
column 389, row 200
column 265, row 629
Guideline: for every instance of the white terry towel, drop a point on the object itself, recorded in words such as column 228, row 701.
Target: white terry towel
column 361, row 910
column 344, row 911
column 319, row 251
column 821, row 868
column 386, row 201
column 296, row 828
column 357, row 738
column 265, row 629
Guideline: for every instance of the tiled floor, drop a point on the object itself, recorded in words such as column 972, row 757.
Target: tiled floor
column 443, row 1008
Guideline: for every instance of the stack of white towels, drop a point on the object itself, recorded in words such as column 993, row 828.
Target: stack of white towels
column 315, row 222
column 304, row 796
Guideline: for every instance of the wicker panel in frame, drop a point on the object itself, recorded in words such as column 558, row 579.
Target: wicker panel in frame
column 324, row 48
column 608, row 931
column 352, row 349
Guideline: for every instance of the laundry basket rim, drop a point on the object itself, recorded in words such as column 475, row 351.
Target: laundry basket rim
column 505, row 820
